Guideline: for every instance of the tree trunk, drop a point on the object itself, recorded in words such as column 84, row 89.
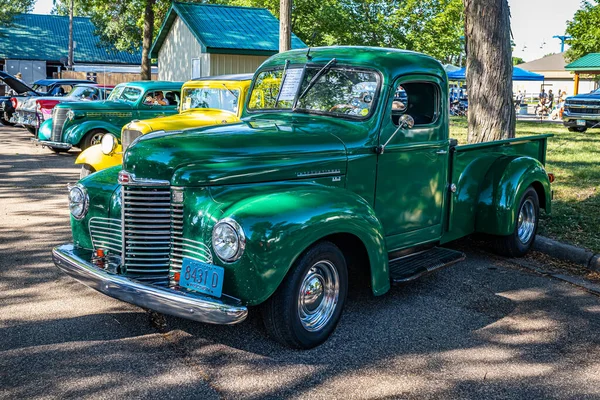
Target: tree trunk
column 285, row 20
column 147, row 40
column 70, row 57
column 489, row 70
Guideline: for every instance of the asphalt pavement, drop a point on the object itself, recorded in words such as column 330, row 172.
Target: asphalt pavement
column 481, row 329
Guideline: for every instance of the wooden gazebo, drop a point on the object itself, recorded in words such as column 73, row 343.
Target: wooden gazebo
column 587, row 65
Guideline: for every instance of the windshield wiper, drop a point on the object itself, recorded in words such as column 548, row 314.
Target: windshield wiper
column 314, row 80
column 230, row 91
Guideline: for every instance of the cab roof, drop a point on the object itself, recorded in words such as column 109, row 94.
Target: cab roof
column 154, row 85
column 391, row 62
column 230, row 77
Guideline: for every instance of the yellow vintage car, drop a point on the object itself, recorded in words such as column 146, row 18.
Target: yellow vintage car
column 204, row 101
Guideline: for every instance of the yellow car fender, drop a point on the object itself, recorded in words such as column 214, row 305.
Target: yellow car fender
column 94, row 157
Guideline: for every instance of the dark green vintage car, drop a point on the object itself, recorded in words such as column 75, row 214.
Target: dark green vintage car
column 330, row 176
column 82, row 124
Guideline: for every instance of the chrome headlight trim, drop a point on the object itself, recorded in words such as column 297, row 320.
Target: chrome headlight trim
column 85, row 200
column 240, row 237
column 108, row 144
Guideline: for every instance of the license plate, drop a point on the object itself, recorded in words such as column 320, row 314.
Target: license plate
column 201, row 277
column 581, row 122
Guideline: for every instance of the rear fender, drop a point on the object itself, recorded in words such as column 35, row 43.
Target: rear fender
column 98, row 160
column 282, row 224
column 502, row 189
column 74, row 134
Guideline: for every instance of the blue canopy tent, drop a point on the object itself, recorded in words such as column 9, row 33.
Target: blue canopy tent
column 518, row 75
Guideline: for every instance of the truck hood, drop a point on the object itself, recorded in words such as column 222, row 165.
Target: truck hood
column 184, row 120
column 247, row 152
column 587, row 96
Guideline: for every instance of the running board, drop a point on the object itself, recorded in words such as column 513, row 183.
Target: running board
column 413, row 266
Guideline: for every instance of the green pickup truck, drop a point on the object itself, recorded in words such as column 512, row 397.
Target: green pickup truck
column 341, row 169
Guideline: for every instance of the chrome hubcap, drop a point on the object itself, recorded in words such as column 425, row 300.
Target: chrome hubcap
column 526, row 223
column 97, row 138
column 318, row 297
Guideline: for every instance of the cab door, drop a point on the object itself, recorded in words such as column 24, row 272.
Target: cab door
column 412, row 169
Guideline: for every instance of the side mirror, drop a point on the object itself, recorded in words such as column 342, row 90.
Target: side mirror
column 406, row 121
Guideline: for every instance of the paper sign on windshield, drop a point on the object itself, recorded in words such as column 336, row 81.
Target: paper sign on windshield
column 290, row 84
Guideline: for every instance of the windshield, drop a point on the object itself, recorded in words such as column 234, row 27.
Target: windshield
column 125, row 93
column 85, row 93
column 40, row 88
column 221, row 99
column 338, row 91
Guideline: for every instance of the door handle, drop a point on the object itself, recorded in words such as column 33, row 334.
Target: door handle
column 441, row 152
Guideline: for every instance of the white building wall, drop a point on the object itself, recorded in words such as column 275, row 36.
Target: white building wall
column 234, row 64
column 177, row 52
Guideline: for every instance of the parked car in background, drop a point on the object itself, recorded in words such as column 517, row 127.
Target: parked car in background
column 32, row 111
column 15, row 87
column 324, row 175
column 83, row 124
column 204, row 101
column 42, row 87
column 582, row 111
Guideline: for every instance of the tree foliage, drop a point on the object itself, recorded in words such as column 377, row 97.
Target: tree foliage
column 585, row 31
column 517, row 60
column 10, row 8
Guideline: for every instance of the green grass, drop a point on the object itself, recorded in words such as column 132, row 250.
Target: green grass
column 575, row 160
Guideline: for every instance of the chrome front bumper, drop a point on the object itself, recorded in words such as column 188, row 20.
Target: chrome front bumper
column 47, row 143
column 173, row 301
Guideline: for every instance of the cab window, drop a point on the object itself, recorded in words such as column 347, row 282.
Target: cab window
column 417, row 99
column 162, row 98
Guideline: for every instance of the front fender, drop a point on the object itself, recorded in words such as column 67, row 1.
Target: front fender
column 74, row 133
column 45, row 130
column 281, row 224
column 98, row 160
column 504, row 184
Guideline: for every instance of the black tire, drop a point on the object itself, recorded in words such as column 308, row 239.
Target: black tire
column 5, row 122
column 579, row 129
column 86, row 170
column 58, row 150
column 91, row 138
column 31, row 130
column 520, row 241
column 281, row 313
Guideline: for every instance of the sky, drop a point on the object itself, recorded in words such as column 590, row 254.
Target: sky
column 533, row 24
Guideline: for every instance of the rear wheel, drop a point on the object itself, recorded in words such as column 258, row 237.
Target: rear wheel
column 91, row 138
column 307, row 306
column 520, row 241
column 86, row 170
column 577, row 129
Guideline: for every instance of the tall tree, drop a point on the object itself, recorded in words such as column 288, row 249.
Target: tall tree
column 10, row 8
column 285, row 22
column 71, row 44
column 148, row 34
column 489, row 70
column 584, row 30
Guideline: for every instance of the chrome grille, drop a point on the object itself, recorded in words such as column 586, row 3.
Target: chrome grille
column 58, row 123
column 146, row 214
column 106, row 234
column 128, row 136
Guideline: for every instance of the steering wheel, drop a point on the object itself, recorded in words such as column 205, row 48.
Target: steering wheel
column 337, row 106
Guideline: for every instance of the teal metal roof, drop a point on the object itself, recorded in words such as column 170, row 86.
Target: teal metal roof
column 226, row 29
column 46, row 38
column 591, row 62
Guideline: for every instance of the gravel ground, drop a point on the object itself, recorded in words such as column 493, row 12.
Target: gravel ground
column 484, row 328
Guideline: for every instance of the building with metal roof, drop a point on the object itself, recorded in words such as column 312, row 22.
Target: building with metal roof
column 34, row 45
column 557, row 76
column 198, row 40
column 586, row 65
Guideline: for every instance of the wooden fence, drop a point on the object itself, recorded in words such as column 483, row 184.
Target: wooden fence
column 109, row 78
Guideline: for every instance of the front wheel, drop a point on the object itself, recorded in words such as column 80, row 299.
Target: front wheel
column 86, row 170
column 307, row 307
column 92, row 138
column 579, row 129
column 520, row 241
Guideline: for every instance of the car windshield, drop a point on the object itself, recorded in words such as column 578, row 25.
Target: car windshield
column 85, row 93
column 40, row 88
column 221, row 99
column 125, row 93
column 338, row 91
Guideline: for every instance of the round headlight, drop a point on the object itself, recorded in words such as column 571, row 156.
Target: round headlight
column 108, row 144
column 78, row 201
column 228, row 240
